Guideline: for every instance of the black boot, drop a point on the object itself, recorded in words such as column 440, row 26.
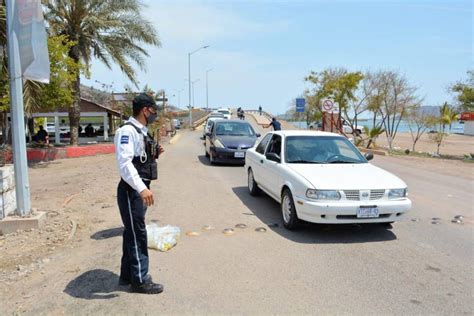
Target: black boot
column 147, row 288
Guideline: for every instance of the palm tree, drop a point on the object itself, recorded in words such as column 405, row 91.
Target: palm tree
column 3, row 24
column 372, row 134
column 447, row 116
column 113, row 31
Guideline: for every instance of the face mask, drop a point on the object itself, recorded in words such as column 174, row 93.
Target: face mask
column 151, row 118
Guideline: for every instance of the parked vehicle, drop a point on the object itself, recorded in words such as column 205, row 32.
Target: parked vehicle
column 207, row 126
column 346, row 127
column 322, row 177
column 228, row 140
column 176, row 124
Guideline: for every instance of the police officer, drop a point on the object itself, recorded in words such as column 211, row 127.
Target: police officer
column 136, row 154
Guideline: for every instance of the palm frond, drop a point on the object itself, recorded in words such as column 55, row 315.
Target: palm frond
column 113, row 31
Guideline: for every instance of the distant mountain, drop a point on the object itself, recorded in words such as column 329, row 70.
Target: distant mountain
column 96, row 95
column 430, row 109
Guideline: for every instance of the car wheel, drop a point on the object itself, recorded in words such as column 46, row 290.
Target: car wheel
column 252, row 185
column 288, row 211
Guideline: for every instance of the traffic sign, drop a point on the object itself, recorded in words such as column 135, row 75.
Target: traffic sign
column 327, row 105
column 300, row 105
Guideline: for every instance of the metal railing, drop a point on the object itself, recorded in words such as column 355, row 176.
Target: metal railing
column 266, row 114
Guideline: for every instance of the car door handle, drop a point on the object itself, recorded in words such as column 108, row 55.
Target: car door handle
column 261, row 160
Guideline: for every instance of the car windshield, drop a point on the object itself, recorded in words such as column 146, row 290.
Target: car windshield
column 321, row 149
column 234, row 129
column 224, row 112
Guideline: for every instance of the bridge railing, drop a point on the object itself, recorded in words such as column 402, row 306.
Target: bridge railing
column 266, row 114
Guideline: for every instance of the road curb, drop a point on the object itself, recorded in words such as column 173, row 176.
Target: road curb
column 374, row 151
column 174, row 139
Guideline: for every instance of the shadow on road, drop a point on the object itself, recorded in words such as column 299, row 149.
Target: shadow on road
column 107, row 233
column 95, row 284
column 268, row 211
column 205, row 161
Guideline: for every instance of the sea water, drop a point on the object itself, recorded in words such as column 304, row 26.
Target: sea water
column 456, row 127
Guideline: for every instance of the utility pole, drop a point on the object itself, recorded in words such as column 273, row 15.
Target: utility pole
column 189, row 86
column 18, row 124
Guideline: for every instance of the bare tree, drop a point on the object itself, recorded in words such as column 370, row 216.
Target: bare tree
column 418, row 122
column 361, row 102
column 397, row 97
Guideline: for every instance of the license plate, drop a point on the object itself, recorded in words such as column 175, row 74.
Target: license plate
column 367, row 212
column 239, row 154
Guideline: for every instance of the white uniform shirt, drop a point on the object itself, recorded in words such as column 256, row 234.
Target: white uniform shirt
column 129, row 144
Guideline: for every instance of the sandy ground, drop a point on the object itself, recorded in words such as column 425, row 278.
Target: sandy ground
column 454, row 144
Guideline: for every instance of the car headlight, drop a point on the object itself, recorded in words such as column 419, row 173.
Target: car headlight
column 218, row 144
column 397, row 193
column 323, row 194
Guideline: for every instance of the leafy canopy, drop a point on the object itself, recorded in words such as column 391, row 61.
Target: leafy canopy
column 465, row 92
column 113, row 31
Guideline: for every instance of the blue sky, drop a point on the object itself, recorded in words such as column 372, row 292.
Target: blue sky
column 261, row 50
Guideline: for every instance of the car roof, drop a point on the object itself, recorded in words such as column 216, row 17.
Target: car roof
column 304, row 133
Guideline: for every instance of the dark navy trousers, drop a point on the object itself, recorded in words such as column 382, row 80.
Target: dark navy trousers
column 134, row 266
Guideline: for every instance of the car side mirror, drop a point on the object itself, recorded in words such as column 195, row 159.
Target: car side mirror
column 369, row 156
column 273, row 157
column 258, row 135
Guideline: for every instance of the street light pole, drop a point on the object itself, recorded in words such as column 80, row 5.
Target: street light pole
column 207, row 89
column 20, row 161
column 193, row 89
column 189, row 85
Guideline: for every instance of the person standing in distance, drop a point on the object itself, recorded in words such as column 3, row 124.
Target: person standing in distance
column 276, row 125
column 136, row 154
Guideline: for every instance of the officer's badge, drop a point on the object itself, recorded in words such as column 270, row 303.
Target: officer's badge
column 124, row 139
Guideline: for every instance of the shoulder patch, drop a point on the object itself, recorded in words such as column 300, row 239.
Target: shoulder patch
column 124, row 139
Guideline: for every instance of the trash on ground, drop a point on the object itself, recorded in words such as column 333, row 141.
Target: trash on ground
column 436, row 218
column 228, row 231
column 162, row 238
column 241, row 226
column 461, row 217
column 457, row 221
column 207, row 227
column 415, row 219
column 192, row 234
column 271, row 225
column 260, row 229
column 435, row 222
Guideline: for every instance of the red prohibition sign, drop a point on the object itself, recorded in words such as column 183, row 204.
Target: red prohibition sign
column 327, row 105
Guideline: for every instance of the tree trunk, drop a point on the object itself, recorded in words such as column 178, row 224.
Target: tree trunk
column 31, row 128
column 75, row 112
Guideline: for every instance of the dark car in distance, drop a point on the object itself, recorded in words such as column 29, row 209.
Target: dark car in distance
column 228, row 140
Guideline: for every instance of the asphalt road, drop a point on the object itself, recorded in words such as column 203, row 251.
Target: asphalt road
column 414, row 268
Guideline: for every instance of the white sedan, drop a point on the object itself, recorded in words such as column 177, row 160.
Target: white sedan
column 322, row 177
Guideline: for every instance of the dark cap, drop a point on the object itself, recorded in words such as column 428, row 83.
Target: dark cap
column 143, row 100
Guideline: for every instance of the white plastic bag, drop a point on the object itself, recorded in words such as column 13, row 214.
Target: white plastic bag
column 162, row 238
